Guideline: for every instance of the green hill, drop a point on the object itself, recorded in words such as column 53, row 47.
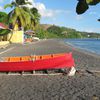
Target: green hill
column 53, row 31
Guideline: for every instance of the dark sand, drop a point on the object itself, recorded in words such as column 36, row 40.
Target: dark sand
column 84, row 86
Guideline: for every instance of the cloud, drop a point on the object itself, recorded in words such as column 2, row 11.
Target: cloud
column 1, row 8
column 78, row 17
column 1, row 0
column 44, row 11
column 93, row 13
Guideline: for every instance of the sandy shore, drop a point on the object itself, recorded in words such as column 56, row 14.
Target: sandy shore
column 83, row 59
column 80, row 87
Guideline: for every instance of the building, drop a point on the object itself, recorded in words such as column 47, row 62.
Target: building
column 14, row 36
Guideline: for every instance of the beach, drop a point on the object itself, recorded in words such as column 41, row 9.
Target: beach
column 85, row 86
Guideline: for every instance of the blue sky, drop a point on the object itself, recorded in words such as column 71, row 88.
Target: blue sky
column 62, row 13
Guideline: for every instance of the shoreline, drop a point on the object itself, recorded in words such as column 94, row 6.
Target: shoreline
column 88, row 54
column 59, row 87
column 88, row 59
column 83, row 59
column 81, row 49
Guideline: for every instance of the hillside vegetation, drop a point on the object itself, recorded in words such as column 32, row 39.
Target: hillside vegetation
column 53, row 31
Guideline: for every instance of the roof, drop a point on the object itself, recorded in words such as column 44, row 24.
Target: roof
column 2, row 26
column 30, row 32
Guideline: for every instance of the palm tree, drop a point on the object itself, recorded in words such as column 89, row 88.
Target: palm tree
column 36, row 17
column 22, row 14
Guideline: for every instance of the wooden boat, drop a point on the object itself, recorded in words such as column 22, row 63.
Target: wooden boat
column 40, row 62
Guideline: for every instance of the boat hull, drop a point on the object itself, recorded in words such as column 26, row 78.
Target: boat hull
column 64, row 61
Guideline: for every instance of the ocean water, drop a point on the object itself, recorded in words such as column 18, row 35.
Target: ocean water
column 91, row 45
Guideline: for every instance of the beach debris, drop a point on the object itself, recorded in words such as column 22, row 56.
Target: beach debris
column 72, row 71
column 89, row 72
column 95, row 98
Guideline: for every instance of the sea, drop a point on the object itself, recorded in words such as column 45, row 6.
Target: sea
column 91, row 45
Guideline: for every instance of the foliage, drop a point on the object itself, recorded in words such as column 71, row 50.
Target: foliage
column 36, row 18
column 54, row 29
column 22, row 15
column 92, row 2
column 3, row 17
column 62, row 32
column 4, row 31
column 90, row 35
column 83, row 5
column 40, row 33
column 44, row 34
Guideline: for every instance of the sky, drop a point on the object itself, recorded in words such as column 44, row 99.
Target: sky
column 63, row 13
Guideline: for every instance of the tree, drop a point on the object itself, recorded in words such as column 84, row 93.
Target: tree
column 3, row 17
column 21, row 14
column 36, row 17
column 55, row 29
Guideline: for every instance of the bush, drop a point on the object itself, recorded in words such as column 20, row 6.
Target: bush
column 4, row 31
column 54, row 29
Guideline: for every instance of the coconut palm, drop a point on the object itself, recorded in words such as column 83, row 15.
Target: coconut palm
column 21, row 14
column 35, row 17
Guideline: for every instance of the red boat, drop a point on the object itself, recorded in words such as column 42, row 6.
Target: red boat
column 40, row 62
